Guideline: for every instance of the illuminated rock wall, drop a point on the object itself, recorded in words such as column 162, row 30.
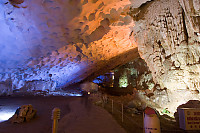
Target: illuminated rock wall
column 64, row 40
column 167, row 34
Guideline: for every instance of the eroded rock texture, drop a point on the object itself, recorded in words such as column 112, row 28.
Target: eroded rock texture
column 62, row 42
column 167, row 34
column 25, row 113
column 55, row 43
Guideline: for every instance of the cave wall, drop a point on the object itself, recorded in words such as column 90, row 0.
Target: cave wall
column 167, row 35
column 127, row 74
column 63, row 41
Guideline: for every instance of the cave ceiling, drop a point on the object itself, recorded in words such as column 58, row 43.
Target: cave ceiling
column 65, row 41
column 69, row 39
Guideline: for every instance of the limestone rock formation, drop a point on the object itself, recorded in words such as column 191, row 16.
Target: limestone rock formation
column 53, row 44
column 23, row 114
column 70, row 47
column 167, row 35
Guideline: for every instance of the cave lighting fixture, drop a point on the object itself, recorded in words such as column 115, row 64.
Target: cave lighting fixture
column 6, row 114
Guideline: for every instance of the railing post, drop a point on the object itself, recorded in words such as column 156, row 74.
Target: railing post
column 112, row 105
column 122, row 113
column 143, row 123
column 103, row 101
column 55, row 117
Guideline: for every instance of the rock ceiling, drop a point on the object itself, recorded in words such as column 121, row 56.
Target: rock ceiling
column 65, row 41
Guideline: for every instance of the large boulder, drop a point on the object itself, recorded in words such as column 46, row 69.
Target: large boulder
column 23, row 114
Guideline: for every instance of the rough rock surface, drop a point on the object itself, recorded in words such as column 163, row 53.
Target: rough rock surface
column 68, row 40
column 55, row 43
column 167, row 35
column 23, row 114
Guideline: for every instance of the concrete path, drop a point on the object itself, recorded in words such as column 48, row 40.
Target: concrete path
column 87, row 118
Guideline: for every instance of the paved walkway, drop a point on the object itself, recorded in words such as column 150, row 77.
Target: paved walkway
column 87, row 118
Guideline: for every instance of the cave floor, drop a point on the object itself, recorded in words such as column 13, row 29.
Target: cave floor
column 133, row 122
column 78, row 115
